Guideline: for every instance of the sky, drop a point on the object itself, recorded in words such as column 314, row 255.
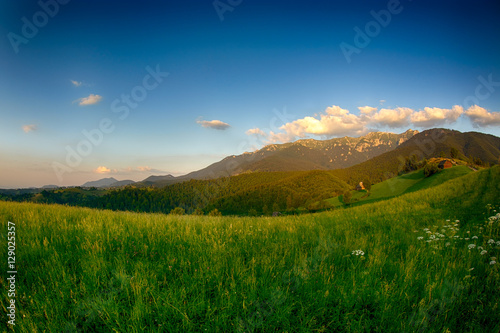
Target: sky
column 129, row 89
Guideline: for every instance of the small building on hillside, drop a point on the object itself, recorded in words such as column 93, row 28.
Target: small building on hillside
column 360, row 187
column 445, row 164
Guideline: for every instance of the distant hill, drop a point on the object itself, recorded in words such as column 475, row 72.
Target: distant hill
column 153, row 179
column 101, row 182
column 120, row 183
column 49, row 186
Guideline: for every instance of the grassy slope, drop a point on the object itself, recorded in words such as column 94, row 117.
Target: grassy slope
column 407, row 183
column 83, row 269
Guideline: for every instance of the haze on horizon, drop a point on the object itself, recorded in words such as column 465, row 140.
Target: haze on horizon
column 119, row 89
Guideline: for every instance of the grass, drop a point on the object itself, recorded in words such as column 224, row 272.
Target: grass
column 406, row 183
column 101, row 271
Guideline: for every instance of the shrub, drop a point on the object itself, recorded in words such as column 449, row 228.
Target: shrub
column 215, row 212
column 430, row 169
column 178, row 211
column 346, row 197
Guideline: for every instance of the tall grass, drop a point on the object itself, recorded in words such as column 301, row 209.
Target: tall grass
column 88, row 270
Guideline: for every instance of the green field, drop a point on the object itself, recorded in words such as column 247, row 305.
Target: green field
column 101, row 271
column 406, row 183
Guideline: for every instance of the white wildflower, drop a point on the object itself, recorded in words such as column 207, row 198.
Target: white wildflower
column 471, row 246
column 358, row 252
column 474, row 237
column 491, row 241
column 420, row 238
column 483, row 252
column 493, row 262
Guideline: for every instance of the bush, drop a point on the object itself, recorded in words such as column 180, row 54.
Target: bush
column 430, row 169
column 215, row 212
column 178, row 211
column 346, row 197
column 198, row 211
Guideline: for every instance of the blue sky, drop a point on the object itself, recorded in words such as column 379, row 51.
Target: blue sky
column 241, row 74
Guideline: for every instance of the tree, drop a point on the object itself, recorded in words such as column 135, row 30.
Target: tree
column 346, row 197
column 367, row 184
column 252, row 212
column 454, row 152
column 430, row 169
column 177, row 211
column 215, row 212
column 198, row 211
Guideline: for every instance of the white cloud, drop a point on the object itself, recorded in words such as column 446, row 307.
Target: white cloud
column 29, row 128
column 144, row 168
column 255, row 131
column 431, row 117
column 215, row 124
column 336, row 122
column 91, row 99
column 76, row 83
column 480, row 117
column 397, row 117
column 367, row 109
column 102, row 169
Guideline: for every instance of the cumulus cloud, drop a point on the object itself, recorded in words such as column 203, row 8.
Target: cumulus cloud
column 367, row 109
column 481, row 117
column 144, row 168
column 91, row 99
column 102, row 169
column 397, row 117
column 215, row 124
column 76, row 83
column 430, row 117
column 29, row 128
column 336, row 121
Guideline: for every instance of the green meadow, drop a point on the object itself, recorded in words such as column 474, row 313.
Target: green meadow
column 406, row 183
column 423, row 261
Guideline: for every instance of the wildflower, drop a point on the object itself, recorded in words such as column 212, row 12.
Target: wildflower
column 471, row 246
column 493, row 262
column 474, row 237
column 420, row 238
column 358, row 252
column 498, row 243
column 447, row 244
column 471, row 269
column 491, row 241
column 479, row 247
column 432, row 236
column 483, row 252
column 467, row 238
column 493, row 258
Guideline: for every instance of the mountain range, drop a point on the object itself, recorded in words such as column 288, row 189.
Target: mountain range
column 378, row 155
